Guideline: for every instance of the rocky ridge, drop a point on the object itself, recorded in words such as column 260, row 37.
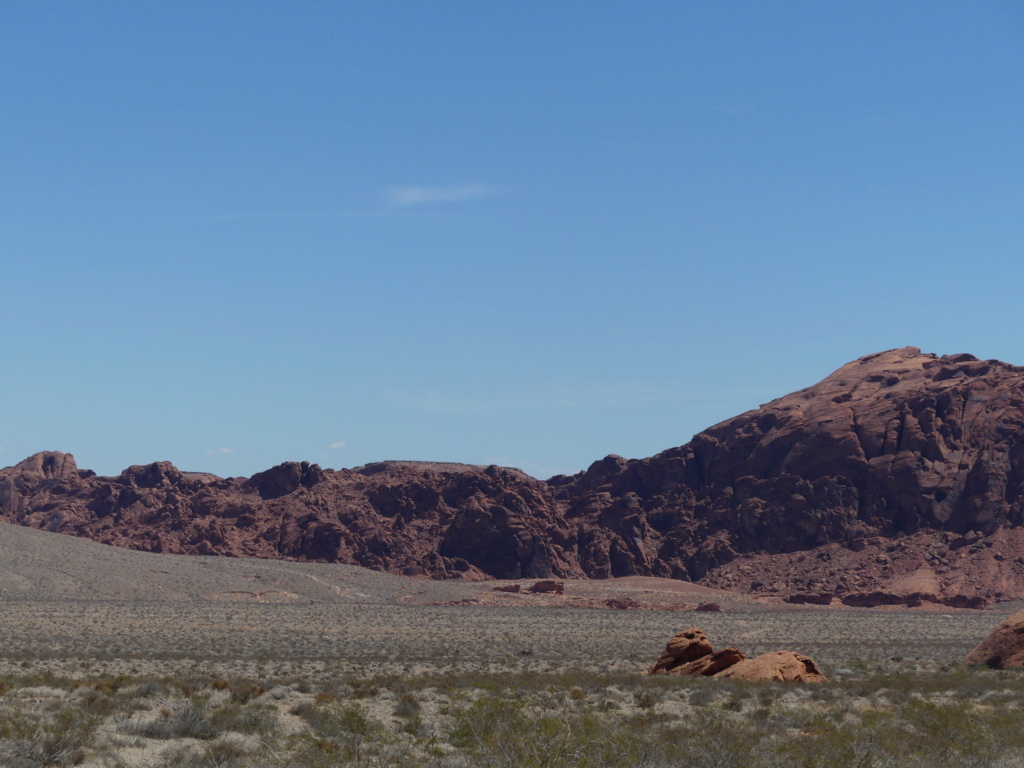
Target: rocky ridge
column 901, row 472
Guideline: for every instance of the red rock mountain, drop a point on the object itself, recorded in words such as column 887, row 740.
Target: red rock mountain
column 901, row 471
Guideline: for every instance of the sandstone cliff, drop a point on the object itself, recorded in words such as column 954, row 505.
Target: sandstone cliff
column 901, row 471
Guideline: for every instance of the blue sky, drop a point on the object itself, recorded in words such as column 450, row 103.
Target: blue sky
column 532, row 233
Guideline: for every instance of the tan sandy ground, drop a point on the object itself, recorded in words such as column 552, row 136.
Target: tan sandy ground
column 74, row 605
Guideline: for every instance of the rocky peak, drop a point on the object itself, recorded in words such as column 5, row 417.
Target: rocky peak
column 155, row 475
column 286, row 478
column 49, row 465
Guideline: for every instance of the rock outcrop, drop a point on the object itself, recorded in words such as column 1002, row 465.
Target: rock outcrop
column 429, row 519
column 682, row 648
column 898, row 465
column 1003, row 648
column 913, row 600
column 548, row 587
column 896, row 461
column 784, row 666
column 690, row 653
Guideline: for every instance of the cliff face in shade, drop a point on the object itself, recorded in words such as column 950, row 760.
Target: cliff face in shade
column 416, row 518
column 899, row 467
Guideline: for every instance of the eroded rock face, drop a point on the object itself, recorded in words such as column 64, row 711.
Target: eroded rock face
column 712, row 664
column 1003, row 648
column 690, row 653
column 893, row 446
column 784, row 666
column 405, row 517
column 897, row 463
column 682, row 648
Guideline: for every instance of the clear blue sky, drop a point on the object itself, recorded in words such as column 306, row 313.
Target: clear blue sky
column 530, row 233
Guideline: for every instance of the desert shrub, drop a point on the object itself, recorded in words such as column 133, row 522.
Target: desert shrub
column 507, row 733
column 245, row 719
column 644, row 699
column 341, row 735
column 407, row 706
column 223, row 753
column 61, row 740
column 702, row 698
column 361, row 689
column 151, row 688
column 180, row 719
column 243, row 692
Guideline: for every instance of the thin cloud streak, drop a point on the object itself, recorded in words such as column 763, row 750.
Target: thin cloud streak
column 217, row 451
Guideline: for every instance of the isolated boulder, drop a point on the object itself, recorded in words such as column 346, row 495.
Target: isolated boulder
column 690, row 653
column 709, row 608
column 1003, row 648
column 777, row 665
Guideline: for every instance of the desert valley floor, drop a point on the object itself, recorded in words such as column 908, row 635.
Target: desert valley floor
column 70, row 604
column 112, row 658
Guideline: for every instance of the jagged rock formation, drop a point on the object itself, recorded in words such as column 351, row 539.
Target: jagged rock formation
column 681, row 649
column 441, row 520
column 690, row 653
column 901, row 472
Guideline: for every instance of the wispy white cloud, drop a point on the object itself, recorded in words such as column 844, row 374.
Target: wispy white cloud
column 337, row 445
column 222, row 449
column 403, row 197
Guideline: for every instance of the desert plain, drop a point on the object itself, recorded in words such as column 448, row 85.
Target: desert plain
column 113, row 657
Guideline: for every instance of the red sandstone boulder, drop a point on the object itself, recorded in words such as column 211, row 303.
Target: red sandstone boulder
column 712, row 664
column 690, row 653
column 1003, row 648
column 777, row 665
column 686, row 646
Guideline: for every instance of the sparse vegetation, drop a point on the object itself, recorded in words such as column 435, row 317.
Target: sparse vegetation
column 517, row 720
column 367, row 679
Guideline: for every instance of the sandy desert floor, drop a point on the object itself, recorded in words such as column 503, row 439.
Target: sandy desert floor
column 335, row 640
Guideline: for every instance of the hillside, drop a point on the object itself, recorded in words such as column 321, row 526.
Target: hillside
column 901, row 470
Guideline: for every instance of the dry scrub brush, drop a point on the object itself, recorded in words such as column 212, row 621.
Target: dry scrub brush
column 504, row 720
